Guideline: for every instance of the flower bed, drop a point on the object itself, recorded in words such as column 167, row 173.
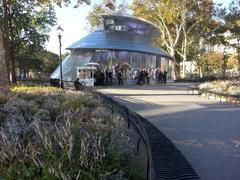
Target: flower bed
column 222, row 87
column 56, row 134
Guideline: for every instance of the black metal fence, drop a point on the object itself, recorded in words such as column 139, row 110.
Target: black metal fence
column 133, row 121
column 165, row 161
column 232, row 98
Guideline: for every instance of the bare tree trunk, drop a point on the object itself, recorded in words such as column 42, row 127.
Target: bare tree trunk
column 184, row 51
column 5, row 41
column 238, row 55
column 174, row 64
column 4, row 80
column 200, row 72
column 12, row 52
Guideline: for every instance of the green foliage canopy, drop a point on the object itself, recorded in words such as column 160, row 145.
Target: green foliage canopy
column 106, row 6
column 28, row 26
column 232, row 20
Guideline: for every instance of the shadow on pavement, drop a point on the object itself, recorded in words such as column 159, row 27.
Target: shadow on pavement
column 205, row 131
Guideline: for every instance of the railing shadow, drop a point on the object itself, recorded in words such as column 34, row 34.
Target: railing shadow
column 165, row 161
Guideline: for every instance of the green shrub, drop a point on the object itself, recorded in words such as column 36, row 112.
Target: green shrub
column 3, row 100
column 4, row 96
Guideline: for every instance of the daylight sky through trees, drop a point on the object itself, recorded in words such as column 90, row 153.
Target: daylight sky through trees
column 73, row 21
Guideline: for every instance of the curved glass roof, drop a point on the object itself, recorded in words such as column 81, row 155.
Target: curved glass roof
column 118, row 40
column 122, row 32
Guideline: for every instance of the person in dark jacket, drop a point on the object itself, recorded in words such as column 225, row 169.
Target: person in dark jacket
column 119, row 77
column 165, row 76
column 106, row 77
column 141, row 77
column 110, row 77
column 78, row 86
column 160, row 77
column 147, row 77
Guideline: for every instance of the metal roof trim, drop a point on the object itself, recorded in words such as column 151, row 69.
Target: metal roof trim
column 130, row 17
column 123, row 49
column 118, row 41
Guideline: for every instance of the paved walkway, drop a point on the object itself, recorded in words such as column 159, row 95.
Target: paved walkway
column 205, row 131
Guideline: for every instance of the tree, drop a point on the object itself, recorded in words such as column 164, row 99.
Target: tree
column 65, row 55
column 232, row 23
column 40, row 62
column 178, row 21
column 232, row 62
column 25, row 27
column 93, row 18
column 198, row 16
column 215, row 61
column 5, row 40
column 210, row 63
column 50, row 62
column 165, row 15
column 62, row 2
column 6, row 21
column 3, row 67
column 105, row 7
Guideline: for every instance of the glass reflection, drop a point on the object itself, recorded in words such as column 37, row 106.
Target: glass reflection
column 128, row 62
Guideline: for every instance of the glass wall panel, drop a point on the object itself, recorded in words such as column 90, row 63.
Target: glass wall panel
column 130, row 63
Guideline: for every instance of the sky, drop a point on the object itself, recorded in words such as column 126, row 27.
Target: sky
column 73, row 22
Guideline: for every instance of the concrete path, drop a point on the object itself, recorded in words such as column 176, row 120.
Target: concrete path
column 205, row 131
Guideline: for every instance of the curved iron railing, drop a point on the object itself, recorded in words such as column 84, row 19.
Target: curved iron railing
column 133, row 120
column 233, row 98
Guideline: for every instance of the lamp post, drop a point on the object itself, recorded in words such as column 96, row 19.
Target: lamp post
column 60, row 31
column 224, row 63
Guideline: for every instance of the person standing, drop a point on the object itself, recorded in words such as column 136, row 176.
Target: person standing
column 110, row 77
column 147, row 76
column 106, row 77
column 156, row 75
column 141, row 77
column 78, row 86
column 119, row 76
column 160, row 77
column 165, row 76
column 102, row 78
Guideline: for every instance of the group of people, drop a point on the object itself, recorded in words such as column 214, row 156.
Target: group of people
column 102, row 78
column 161, row 77
column 108, row 77
column 143, row 77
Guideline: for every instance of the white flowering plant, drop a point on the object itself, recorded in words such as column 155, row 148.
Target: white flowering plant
column 222, row 86
column 58, row 134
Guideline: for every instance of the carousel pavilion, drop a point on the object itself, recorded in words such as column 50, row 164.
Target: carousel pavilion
column 124, row 43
